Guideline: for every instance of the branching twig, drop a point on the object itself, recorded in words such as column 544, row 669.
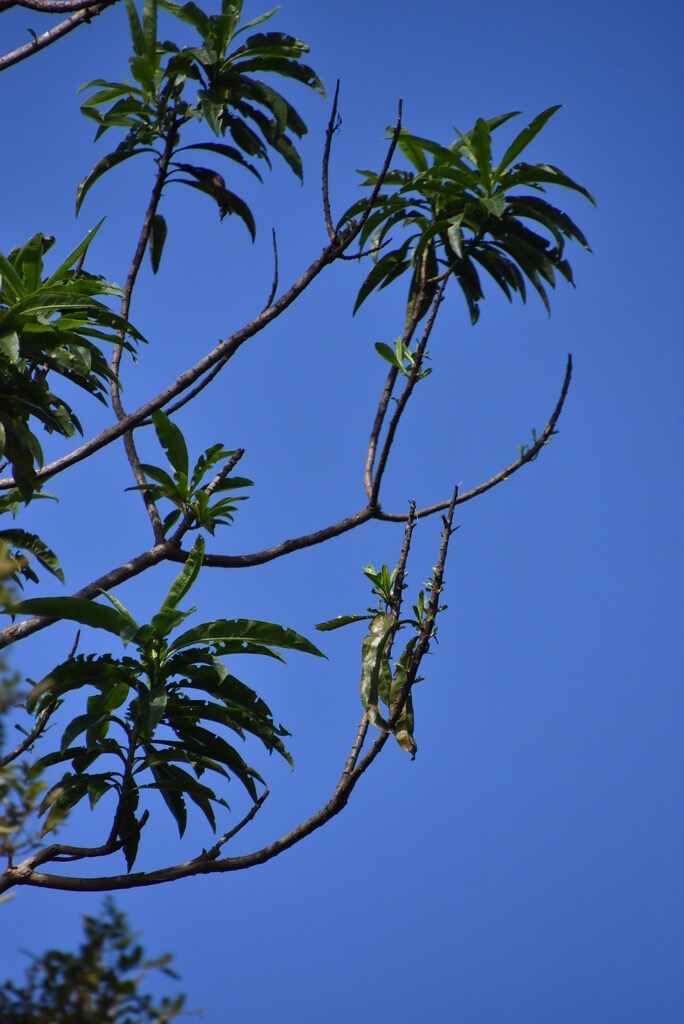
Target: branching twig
column 168, row 551
column 209, row 862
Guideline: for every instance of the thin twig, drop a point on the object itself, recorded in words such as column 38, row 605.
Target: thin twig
column 114, row 387
column 333, row 126
column 371, row 483
column 167, row 551
column 31, row 738
column 383, row 404
column 57, row 6
column 274, row 286
column 213, row 852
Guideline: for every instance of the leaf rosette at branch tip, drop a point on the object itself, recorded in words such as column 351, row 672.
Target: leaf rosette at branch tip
column 186, row 489
column 155, row 720
column 50, row 327
column 215, row 83
column 464, row 214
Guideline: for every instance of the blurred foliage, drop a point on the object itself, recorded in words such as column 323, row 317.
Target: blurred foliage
column 99, row 984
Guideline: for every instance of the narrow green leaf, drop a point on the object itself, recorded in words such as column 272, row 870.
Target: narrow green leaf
column 185, row 579
column 172, row 441
column 75, row 609
column 523, row 139
column 373, row 654
column 121, row 153
column 136, row 29
column 149, row 27
column 341, row 620
column 243, row 632
column 388, row 355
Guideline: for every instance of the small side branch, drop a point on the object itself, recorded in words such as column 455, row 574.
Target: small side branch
column 31, row 737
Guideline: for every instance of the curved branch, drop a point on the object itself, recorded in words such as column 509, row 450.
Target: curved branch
column 528, row 456
column 334, row 125
column 169, row 551
column 55, row 33
column 209, row 862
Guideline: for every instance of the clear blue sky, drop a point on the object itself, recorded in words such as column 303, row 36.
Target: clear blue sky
column 527, row 867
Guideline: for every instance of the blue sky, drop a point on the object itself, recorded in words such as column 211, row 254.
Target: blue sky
column 526, row 868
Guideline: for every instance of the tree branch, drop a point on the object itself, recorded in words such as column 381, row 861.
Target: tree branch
column 527, row 456
column 168, row 551
column 52, row 35
column 334, row 124
column 208, row 862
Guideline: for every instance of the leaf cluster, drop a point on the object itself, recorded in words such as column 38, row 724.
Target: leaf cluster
column 185, row 488
column 100, row 982
column 215, row 83
column 463, row 214
column 50, row 327
column 157, row 718
column 379, row 682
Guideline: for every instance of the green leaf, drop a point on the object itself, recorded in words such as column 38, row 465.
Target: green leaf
column 388, row 355
column 373, row 661
column 390, row 266
column 521, row 141
column 123, row 152
column 136, row 28
column 30, row 542
column 230, row 152
column 149, row 27
column 75, row 609
column 245, row 632
column 341, row 620
column 105, row 673
column 191, row 14
column 185, row 579
column 172, row 441
column 481, row 144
